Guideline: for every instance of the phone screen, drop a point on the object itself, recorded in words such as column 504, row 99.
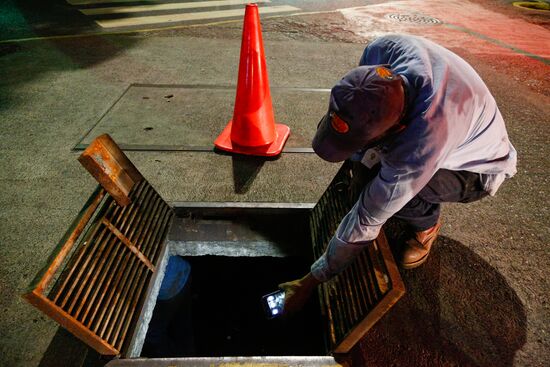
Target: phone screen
column 274, row 303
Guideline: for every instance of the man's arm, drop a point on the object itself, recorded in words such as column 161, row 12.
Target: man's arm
column 397, row 182
column 336, row 258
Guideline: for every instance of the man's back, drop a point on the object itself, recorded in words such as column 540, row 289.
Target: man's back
column 451, row 112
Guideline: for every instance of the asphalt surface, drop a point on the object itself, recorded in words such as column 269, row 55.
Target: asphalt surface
column 482, row 297
column 55, row 18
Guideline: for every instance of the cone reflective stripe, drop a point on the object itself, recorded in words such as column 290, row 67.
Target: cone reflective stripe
column 253, row 129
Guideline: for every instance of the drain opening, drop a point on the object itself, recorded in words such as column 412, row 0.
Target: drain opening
column 412, row 18
column 248, row 253
column 221, row 314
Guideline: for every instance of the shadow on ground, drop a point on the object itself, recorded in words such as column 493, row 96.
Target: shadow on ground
column 458, row 311
column 67, row 351
column 24, row 61
column 245, row 170
column 44, row 18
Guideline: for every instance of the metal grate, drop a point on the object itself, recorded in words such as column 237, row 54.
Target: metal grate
column 412, row 18
column 355, row 299
column 99, row 294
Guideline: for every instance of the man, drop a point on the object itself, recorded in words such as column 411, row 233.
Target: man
column 440, row 136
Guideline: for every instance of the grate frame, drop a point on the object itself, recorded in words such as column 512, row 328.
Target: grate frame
column 356, row 299
column 96, row 279
column 98, row 294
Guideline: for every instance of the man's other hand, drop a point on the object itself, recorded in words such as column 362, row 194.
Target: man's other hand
column 297, row 292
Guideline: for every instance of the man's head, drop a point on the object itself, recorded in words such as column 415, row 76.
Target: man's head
column 365, row 106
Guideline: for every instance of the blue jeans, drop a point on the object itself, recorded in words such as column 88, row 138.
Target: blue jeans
column 446, row 186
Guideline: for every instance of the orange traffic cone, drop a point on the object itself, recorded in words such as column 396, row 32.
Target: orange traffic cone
column 253, row 129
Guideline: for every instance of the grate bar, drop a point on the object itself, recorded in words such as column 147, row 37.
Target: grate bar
column 364, row 261
column 120, row 289
column 116, row 251
column 106, row 242
column 115, row 263
column 94, row 257
column 87, row 269
column 129, row 244
column 358, row 289
column 76, row 229
column 122, row 261
column 353, row 300
column 371, row 297
column 87, row 264
column 83, row 250
column 134, row 272
column 125, row 312
column 105, row 265
column 120, row 337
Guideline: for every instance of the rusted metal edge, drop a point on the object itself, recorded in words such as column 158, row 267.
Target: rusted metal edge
column 396, row 282
column 71, row 324
column 104, row 160
column 45, row 275
column 387, row 302
column 368, row 322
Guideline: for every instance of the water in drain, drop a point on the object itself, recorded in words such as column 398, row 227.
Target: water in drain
column 412, row 18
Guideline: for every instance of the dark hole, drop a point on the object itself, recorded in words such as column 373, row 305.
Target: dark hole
column 221, row 313
column 148, row 128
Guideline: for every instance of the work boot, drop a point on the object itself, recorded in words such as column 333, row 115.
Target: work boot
column 417, row 249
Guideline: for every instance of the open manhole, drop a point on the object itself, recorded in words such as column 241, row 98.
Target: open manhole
column 103, row 279
column 412, row 18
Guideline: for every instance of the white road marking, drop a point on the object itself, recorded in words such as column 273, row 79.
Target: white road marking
column 93, row 2
column 167, row 6
column 171, row 18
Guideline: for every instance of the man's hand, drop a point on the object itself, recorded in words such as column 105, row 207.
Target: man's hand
column 297, row 292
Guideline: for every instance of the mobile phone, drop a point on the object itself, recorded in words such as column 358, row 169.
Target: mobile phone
column 273, row 303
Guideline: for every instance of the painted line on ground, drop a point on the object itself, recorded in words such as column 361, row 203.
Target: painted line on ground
column 147, row 30
column 166, row 6
column 160, row 29
column 94, row 2
column 172, row 18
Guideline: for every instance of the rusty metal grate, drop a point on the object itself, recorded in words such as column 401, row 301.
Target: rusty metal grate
column 109, row 255
column 413, row 18
column 355, row 299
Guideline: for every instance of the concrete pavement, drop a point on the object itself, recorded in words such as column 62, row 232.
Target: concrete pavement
column 482, row 299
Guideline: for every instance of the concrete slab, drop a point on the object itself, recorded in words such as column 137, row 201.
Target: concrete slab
column 175, row 117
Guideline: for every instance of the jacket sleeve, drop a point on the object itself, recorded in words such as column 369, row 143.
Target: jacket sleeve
column 412, row 160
